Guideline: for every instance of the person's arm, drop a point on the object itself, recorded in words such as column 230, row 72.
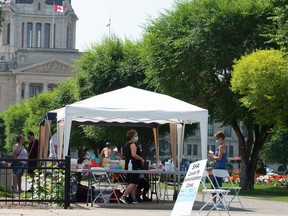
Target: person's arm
column 133, row 149
column 56, row 150
column 220, row 153
column 101, row 153
column 15, row 151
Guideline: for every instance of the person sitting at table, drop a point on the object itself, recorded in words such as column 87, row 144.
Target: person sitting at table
column 132, row 152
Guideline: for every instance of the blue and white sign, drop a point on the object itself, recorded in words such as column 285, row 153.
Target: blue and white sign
column 188, row 192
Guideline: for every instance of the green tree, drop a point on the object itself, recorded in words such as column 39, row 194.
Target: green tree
column 278, row 31
column 261, row 79
column 109, row 65
column 189, row 52
column 275, row 150
column 14, row 121
column 65, row 93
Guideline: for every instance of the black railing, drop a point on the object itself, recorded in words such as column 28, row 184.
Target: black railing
column 46, row 181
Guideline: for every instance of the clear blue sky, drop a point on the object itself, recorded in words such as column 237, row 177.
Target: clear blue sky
column 127, row 16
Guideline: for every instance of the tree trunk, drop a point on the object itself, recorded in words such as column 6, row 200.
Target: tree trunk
column 249, row 151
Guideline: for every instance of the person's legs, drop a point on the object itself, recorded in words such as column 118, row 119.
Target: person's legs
column 132, row 180
column 217, row 182
column 18, row 180
column 14, row 183
column 130, row 190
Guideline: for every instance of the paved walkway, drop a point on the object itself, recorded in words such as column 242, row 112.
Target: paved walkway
column 252, row 206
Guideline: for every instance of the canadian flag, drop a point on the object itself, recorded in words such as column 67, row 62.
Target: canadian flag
column 59, row 8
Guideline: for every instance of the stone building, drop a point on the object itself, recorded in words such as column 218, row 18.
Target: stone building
column 37, row 48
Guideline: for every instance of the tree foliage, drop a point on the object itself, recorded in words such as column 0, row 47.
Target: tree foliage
column 190, row 51
column 65, row 93
column 277, row 32
column 24, row 117
column 14, row 118
column 109, row 65
column 261, row 79
column 275, row 150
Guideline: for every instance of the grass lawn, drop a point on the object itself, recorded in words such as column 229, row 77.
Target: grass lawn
column 265, row 192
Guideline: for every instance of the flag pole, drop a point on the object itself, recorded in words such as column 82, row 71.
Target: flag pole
column 53, row 26
column 109, row 26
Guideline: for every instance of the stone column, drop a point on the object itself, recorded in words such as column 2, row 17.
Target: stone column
column 26, row 90
column 45, row 87
column 18, row 92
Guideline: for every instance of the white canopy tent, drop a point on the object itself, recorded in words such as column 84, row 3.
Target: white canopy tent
column 131, row 105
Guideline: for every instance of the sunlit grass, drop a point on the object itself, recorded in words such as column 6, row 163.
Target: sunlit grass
column 264, row 192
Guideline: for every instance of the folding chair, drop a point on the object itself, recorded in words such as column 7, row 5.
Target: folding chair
column 170, row 182
column 225, row 174
column 103, row 188
column 119, row 180
column 218, row 194
column 154, row 181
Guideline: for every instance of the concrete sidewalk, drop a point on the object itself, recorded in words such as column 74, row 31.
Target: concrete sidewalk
column 252, row 206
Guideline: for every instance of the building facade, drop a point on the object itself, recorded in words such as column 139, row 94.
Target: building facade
column 37, row 48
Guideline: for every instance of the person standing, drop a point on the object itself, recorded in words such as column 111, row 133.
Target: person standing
column 53, row 154
column 220, row 157
column 33, row 155
column 19, row 152
column 132, row 153
column 32, row 152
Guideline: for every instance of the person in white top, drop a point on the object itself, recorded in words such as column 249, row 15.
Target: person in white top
column 19, row 152
column 53, row 154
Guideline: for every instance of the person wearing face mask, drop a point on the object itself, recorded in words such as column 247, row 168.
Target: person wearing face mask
column 132, row 152
column 220, row 157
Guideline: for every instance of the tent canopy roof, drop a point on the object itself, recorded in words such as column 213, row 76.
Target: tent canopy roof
column 135, row 106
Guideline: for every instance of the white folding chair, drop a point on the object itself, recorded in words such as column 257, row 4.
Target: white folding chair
column 170, row 182
column 231, row 187
column 218, row 194
column 103, row 188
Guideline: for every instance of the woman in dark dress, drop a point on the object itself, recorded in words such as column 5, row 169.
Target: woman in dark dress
column 132, row 153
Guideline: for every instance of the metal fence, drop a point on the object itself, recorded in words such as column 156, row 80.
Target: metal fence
column 44, row 181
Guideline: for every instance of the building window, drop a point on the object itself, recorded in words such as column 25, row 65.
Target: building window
column 210, row 130
column 29, row 34
column 8, row 33
column 22, row 35
column 35, row 89
column 51, row 87
column 54, row 36
column 47, row 35
column 189, row 149
column 195, row 150
column 231, row 153
column 227, row 131
column 67, row 37
column 39, row 6
column 245, row 132
column 38, row 35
